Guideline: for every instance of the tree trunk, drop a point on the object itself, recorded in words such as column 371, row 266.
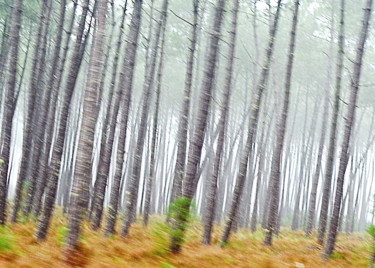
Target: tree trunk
column 9, row 109
column 333, row 134
column 350, row 118
column 254, row 115
column 83, row 169
column 195, row 150
column 136, row 168
column 126, row 84
column 281, row 125
column 208, row 216
column 184, row 115
column 54, row 166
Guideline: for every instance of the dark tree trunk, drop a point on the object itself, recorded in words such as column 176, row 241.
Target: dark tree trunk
column 57, row 151
column 208, row 216
column 9, row 109
column 130, row 209
column 108, row 136
column 333, row 134
column 46, row 117
column 195, row 150
column 152, row 170
column 184, row 115
column 350, row 119
column 125, row 85
column 33, row 93
column 281, row 126
column 83, row 168
column 254, row 115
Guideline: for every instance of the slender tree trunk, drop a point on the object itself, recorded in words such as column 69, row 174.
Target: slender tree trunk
column 108, row 137
column 130, row 209
column 83, row 169
column 254, row 115
column 333, row 134
column 125, row 85
column 152, row 170
column 9, row 109
column 208, row 216
column 33, row 93
column 281, row 126
column 350, row 119
column 57, row 152
column 195, row 150
column 184, row 115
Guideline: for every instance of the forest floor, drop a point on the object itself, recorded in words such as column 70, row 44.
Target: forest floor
column 145, row 247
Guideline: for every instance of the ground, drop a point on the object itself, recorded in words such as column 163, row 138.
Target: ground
column 145, row 247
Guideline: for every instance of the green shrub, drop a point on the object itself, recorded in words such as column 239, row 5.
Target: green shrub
column 7, row 240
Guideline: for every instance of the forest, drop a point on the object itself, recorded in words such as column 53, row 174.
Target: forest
column 187, row 133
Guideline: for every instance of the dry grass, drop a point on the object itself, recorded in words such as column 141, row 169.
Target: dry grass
column 145, row 248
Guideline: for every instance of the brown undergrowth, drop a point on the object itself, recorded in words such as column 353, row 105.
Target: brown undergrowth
column 145, row 247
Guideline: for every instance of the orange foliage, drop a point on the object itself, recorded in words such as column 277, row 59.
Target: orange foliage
column 141, row 249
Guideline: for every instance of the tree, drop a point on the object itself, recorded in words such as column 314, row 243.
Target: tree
column 83, row 168
column 126, row 84
column 130, row 209
column 10, row 106
column 182, row 131
column 251, row 133
column 276, row 158
column 350, row 119
column 208, row 215
column 57, row 151
column 195, row 149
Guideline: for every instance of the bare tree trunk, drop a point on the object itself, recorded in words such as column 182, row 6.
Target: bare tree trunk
column 152, row 170
column 350, row 119
column 184, row 115
column 108, row 137
column 208, row 216
column 9, row 109
column 195, row 150
column 333, row 134
column 83, row 169
column 130, row 209
column 254, row 115
column 54, row 166
column 33, row 93
column 126, row 84
column 281, row 125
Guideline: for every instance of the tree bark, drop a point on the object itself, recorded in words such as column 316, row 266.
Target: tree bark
column 281, row 126
column 350, row 119
column 208, row 216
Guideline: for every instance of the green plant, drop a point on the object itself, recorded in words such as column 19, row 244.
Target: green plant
column 62, row 232
column 371, row 230
column 6, row 240
column 179, row 213
column 179, row 216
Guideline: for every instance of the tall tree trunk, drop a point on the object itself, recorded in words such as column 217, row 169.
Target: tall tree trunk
column 83, row 169
column 152, row 170
column 33, row 93
column 130, row 209
column 49, row 109
column 281, row 126
column 254, row 115
column 184, row 114
column 108, row 136
column 208, row 216
column 57, row 151
column 350, row 119
column 333, row 133
column 125, row 85
column 9, row 109
column 195, row 150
